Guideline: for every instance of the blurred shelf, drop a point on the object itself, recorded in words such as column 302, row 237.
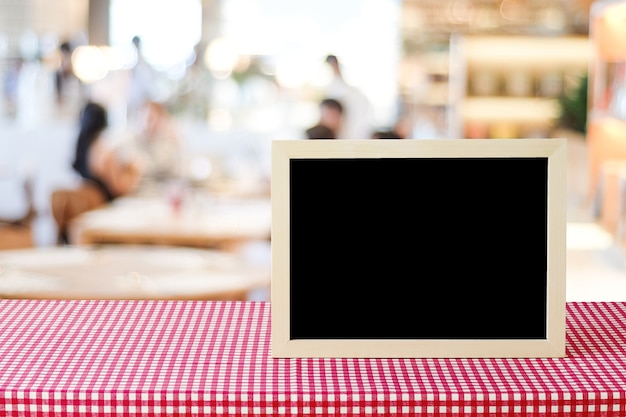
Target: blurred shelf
column 537, row 54
column 510, row 85
column 510, row 109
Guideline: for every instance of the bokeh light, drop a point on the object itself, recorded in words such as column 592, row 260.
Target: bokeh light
column 90, row 63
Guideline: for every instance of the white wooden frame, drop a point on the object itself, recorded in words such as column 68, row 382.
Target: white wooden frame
column 285, row 150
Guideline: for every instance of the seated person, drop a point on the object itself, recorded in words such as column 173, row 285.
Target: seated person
column 320, row 131
column 330, row 120
column 157, row 141
column 104, row 173
column 99, row 164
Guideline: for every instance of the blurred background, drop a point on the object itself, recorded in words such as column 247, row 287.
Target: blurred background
column 237, row 74
column 259, row 64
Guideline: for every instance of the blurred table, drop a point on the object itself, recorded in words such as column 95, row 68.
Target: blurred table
column 132, row 272
column 202, row 222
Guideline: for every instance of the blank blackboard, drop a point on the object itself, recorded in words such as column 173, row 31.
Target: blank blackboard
column 418, row 248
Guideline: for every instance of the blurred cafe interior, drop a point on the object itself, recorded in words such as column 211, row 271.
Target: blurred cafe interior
column 226, row 77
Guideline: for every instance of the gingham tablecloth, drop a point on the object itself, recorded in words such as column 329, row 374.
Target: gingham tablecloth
column 87, row 357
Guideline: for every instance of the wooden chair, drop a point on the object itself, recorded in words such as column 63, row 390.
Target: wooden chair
column 18, row 233
column 67, row 203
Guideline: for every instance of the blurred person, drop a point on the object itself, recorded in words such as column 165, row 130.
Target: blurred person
column 330, row 121
column 332, row 115
column 100, row 164
column 357, row 108
column 35, row 101
column 10, row 87
column 319, row 131
column 104, row 175
column 156, row 139
column 68, row 87
column 64, row 72
column 193, row 91
column 141, row 83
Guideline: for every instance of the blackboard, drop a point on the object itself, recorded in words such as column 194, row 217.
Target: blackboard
column 418, row 248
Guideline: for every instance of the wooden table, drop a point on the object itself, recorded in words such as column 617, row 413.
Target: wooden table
column 130, row 272
column 206, row 223
column 196, row 358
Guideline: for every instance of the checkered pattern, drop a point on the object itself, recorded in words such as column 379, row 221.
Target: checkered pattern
column 103, row 358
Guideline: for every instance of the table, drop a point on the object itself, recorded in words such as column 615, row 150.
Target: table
column 72, row 357
column 131, row 272
column 208, row 222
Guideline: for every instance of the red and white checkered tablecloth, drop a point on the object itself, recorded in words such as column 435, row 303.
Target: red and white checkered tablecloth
column 88, row 357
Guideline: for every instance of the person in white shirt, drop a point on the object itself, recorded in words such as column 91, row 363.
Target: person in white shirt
column 357, row 110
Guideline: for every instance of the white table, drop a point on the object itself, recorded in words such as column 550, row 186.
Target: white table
column 203, row 222
column 132, row 272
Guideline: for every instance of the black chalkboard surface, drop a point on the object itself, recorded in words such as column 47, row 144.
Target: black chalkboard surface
column 463, row 239
column 414, row 248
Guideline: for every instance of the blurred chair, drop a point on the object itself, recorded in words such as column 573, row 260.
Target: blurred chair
column 17, row 233
column 67, row 203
